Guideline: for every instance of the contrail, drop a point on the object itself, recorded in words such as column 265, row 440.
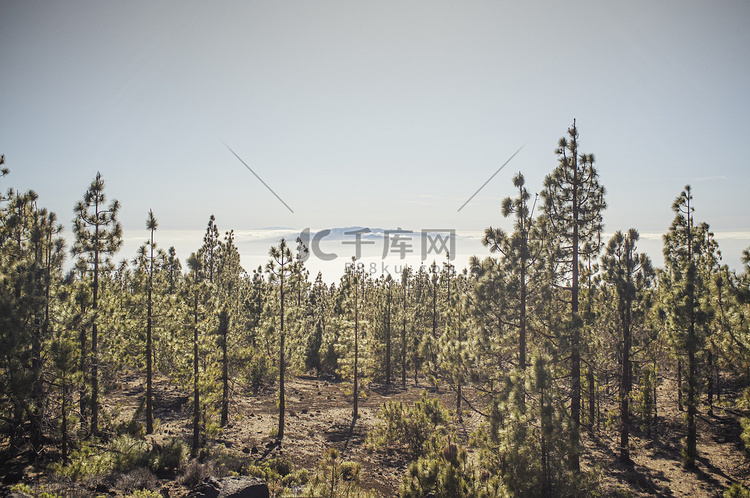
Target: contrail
column 493, row 176
column 261, row 179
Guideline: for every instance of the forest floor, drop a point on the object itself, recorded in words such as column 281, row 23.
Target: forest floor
column 656, row 451
column 319, row 416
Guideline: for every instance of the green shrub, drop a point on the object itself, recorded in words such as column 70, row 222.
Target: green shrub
column 282, row 466
column 144, row 493
column 21, row 488
column 136, row 479
column 120, row 455
column 260, row 371
column 449, row 475
column 737, row 490
column 84, row 462
column 195, row 472
column 645, row 397
column 745, row 436
column 337, row 479
column 415, row 430
column 171, row 456
column 128, row 453
column 26, row 489
column 297, row 478
column 132, row 427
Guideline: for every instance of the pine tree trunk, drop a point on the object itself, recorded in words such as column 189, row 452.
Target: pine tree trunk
column 196, row 384
column 522, row 327
column 355, row 411
column 656, row 383
column 459, row 377
column 64, row 417
column 95, row 344
column 710, row 386
column 403, row 344
column 149, row 372
column 82, row 395
column 679, row 385
column 149, row 345
column 575, row 346
column 691, row 451
column 592, row 396
column 39, row 393
column 37, row 390
column 224, row 325
column 388, row 342
column 282, row 364
column 433, row 353
column 546, row 491
column 625, row 386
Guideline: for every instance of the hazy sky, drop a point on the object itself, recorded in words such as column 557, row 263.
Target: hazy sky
column 377, row 114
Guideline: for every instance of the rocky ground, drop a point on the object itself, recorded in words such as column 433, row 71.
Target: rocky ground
column 320, row 417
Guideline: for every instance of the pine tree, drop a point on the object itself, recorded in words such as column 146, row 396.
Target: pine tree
column 151, row 225
column 98, row 236
column 354, row 282
column 629, row 274
column 30, row 264
column 207, row 253
column 421, row 338
column 405, row 279
column 494, row 340
column 573, row 205
column 229, row 280
column 194, row 294
column 63, row 358
column 521, row 253
column 318, row 319
column 280, row 268
column 690, row 260
column 389, row 291
column 452, row 345
column 174, row 270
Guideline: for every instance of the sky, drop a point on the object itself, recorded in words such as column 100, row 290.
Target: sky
column 373, row 114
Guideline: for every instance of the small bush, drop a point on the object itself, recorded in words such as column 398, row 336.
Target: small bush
column 297, row 478
column 137, row 479
column 195, row 472
column 21, row 488
column 737, row 490
column 415, row 430
column 282, row 466
column 171, row 456
column 645, row 398
column 436, row 476
column 745, row 436
column 260, row 371
column 132, row 427
column 337, row 479
column 122, row 455
column 25, row 489
column 227, row 463
column 145, row 493
column 128, row 453
column 254, row 471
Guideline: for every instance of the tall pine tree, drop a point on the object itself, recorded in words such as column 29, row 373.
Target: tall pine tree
column 98, row 236
column 690, row 256
column 280, row 268
column 628, row 275
column 573, row 205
